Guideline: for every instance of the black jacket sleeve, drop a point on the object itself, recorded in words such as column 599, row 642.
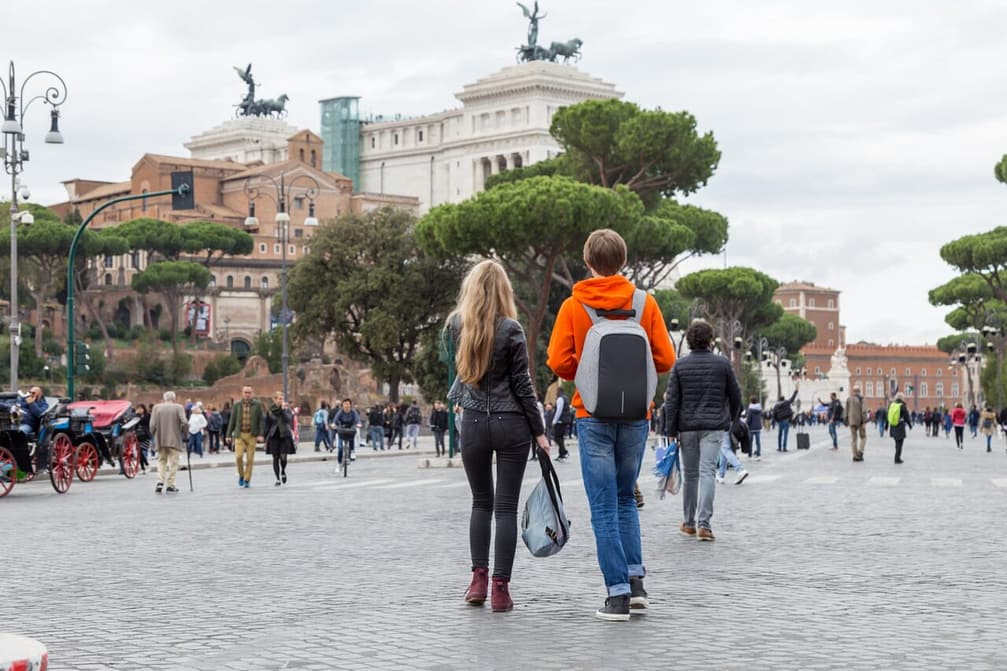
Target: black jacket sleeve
column 520, row 379
column 733, row 394
column 672, row 404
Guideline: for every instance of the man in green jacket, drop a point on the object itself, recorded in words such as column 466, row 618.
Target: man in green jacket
column 245, row 430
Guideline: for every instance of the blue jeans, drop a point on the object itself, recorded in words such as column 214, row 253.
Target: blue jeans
column 728, row 457
column 783, row 428
column 610, row 458
column 350, row 448
column 196, row 443
column 700, row 450
column 322, row 437
column 832, row 434
column 881, row 428
column 757, row 443
column 377, row 437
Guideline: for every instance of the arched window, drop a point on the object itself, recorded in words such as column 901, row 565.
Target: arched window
column 858, row 371
column 940, row 372
column 265, row 282
column 955, row 389
column 300, row 154
column 108, row 279
column 248, row 281
column 832, row 326
column 939, row 388
column 213, row 280
column 314, row 159
column 832, row 303
column 811, row 302
column 923, row 372
column 909, row 371
column 923, row 390
column 230, row 281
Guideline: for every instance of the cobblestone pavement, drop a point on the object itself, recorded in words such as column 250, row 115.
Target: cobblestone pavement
column 819, row 563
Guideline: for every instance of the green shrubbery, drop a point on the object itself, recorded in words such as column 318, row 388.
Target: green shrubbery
column 222, row 366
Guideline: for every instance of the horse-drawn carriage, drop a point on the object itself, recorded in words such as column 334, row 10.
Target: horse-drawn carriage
column 107, row 436
column 23, row 456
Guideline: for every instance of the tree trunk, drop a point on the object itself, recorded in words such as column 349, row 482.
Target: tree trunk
column 779, row 387
column 94, row 315
column 173, row 310
column 393, row 388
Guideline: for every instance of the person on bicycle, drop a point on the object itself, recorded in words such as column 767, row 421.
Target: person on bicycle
column 346, row 421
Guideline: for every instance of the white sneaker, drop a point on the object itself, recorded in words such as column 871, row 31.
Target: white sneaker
column 741, row 477
column 720, row 479
column 758, row 458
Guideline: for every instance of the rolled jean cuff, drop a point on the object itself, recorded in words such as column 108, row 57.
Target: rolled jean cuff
column 637, row 571
column 619, row 590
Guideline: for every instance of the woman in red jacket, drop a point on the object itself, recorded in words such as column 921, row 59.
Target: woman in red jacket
column 958, row 416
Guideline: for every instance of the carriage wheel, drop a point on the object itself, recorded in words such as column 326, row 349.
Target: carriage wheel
column 130, row 455
column 87, row 461
column 61, row 463
column 8, row 471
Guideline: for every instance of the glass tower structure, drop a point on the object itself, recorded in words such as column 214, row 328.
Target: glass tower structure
column 341, row 133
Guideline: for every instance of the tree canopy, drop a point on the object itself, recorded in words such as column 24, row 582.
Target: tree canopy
column 173, row 279
column 369, row 284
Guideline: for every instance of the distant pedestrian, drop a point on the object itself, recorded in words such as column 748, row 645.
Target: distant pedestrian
column 958, row 418
column 439, row 426
column 856, row 418
column 245, row 429
column 321, row 424
column 167, row 427
column 398, row 424
column 279, row 421
column 783, row 412
column 413, row 420
column 973, row 420
column 879, row 417
column 898, row 422
column 835, row 417
column 376, row 427
column 225, row 419
column 214, row 427
column 988, row 421
column 753, row 416
column 500, row 417
column 197, row 423
column 562, row 418
column 143, row 436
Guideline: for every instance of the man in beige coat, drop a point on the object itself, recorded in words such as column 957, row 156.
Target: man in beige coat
column 168, row 426
column 856, row 418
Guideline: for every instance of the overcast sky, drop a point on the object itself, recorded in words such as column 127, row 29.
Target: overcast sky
column 857, row 137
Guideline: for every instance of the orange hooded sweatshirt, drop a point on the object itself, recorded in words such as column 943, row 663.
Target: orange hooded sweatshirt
column 572, row 324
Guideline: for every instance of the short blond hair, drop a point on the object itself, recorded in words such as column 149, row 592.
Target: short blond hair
column 605, row 252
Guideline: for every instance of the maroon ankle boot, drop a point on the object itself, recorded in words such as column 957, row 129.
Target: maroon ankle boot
column 500, row 600
column 476, row 593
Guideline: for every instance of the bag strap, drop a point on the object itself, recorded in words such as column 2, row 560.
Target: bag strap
column 550, row 477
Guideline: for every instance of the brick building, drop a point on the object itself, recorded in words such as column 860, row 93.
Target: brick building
column 820, row 306
column 921, row 372
column 241, row 288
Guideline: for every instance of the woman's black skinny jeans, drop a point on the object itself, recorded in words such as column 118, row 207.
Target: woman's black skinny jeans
column 506, row 434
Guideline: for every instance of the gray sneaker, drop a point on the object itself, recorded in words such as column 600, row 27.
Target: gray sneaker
column 637, row 595
column 616, row 609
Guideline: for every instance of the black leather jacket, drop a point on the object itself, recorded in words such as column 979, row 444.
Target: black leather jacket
column 506, row 386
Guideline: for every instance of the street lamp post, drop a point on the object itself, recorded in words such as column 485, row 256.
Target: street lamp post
column 14, row 157
column 257, row 187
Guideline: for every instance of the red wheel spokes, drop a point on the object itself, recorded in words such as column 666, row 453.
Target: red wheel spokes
column 87, row 461
column 61, row 463
column 130, row 455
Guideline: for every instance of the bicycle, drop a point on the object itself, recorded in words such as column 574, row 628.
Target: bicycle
column 347, row 437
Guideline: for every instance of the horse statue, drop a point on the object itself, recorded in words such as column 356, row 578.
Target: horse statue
column 269, row 107
column 527, row 54
column 569, row 49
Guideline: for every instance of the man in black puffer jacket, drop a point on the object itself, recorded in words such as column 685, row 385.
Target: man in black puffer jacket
column 703, row 400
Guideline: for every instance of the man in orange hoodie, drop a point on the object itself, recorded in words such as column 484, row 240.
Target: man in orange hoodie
column 610, row 451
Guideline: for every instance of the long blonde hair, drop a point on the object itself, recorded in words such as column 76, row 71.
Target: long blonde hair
column 485, row 296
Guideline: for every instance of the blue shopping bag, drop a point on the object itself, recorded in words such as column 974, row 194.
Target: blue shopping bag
column 668, row 470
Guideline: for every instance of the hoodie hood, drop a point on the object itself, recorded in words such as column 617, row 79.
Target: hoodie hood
column 605, row 293
column 755, row 406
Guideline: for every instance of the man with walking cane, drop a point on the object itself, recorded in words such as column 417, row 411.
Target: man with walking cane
column 167, row 426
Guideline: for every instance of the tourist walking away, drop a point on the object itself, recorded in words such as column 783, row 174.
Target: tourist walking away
column 974, row 420
column 782, row 413
column 345, row 423
column 375, row 427
column 835, row 417
column 143, row 436
column 197, row 423
column 499, row 418
column 245, row 429
column 753, row 417
column 988, row 421
column 856, row 419
column 214, row 425
column 320, row 421
column 279, row 436
column 398, row 424
column 898, row 422
column 728, row 455
column 413, row 420
column 439, row 426
column 225, row 419
column 562, row 416
column 958, row 418
column 703, row 398
column 611, row 339
column 167, row 427
column 881, row 419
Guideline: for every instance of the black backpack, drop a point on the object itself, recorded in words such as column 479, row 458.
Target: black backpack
column 566, row 417
column 413, row 415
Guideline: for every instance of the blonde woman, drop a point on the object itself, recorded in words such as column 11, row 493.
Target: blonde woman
column 499, row 417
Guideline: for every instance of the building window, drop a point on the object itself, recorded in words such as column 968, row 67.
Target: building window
column 858, row 372
column 811, row 302
column 135, row 259
column 143, row 202
column 940, row 372
column 832, row 303
column 891, row 372
column 881, row 388
column 265, row 283
column 373, row 142
column 419, row 136
column 923, row 372
column 262, row 248
column 298, row 202
column 870, row 371
column 831, row 342
column 909, row 371
column 109, row 261
column 298, row 232
column 396, row 136
column 869, row 389
column 954, row 390
column 818, row 370
column 939, row 389
column 907, row 389
column 248, row 281
column 108, row 279
column 291, row 249
column 832, row 326
column 314, row 159
column 793, row 302
column 923, row 389
column 305, row 249
column 300, row 154
column 230, row 281
column 276, row 248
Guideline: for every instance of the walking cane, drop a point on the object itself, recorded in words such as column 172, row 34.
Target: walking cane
column 188, row 465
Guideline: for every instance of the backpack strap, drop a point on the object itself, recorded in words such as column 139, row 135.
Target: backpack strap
column 635, row 313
